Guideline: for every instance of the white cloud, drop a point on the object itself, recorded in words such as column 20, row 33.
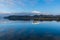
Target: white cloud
column 36, row 12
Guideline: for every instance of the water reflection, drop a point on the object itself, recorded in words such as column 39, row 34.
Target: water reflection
column 25, row 30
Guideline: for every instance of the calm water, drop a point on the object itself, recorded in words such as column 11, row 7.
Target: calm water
column 28, row 30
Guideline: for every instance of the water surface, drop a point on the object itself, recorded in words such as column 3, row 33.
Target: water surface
column 27, row 30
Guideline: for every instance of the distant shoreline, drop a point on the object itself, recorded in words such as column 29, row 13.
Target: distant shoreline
column 35, row 17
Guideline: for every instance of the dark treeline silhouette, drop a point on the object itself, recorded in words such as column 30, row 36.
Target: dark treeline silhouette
column 34, row 17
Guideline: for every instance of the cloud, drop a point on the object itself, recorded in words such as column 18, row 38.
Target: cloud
column 11, row 3
column 18, row 3
column 21, row 3
column 5, row 3
column 26, row 2
column 1, row 5
column 36, row 12
column 2, row 0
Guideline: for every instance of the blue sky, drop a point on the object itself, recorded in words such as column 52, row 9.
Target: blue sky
column 51, row 6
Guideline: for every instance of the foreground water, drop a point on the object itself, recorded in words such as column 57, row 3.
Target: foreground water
column 27, row 30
